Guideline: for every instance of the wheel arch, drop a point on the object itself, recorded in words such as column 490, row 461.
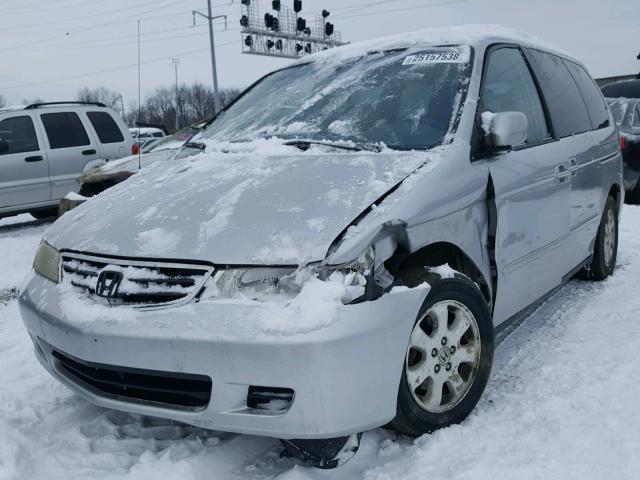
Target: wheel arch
column 443, row 252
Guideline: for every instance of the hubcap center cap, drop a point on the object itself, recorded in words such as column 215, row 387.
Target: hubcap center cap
column 444, row 355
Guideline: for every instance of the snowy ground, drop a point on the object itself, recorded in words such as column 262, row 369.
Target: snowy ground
column 562, row 403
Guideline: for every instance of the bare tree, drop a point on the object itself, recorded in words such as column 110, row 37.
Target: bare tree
column 110, row 98
column 3, row 101
column 195, row 104
column 26, row 101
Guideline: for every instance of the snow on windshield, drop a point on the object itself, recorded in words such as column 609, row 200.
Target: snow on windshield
column 405, row 98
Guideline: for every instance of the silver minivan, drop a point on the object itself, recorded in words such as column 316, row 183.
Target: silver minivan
column 353, row 238
column 44, row 147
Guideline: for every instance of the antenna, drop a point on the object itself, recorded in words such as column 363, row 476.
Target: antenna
column 139, row 98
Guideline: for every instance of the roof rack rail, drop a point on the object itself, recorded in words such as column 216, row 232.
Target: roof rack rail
column 33, row 106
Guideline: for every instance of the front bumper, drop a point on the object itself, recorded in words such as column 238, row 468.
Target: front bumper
column 345, row 374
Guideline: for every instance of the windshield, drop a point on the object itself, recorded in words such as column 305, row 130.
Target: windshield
column 619, row 108
column 176, row 140
column 407, row 98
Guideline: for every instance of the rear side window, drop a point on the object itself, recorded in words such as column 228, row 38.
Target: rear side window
column 591, row 95
column 509, row 87
column 106, row 127
column 567, row 109
column 64, row 130
column 19, row 134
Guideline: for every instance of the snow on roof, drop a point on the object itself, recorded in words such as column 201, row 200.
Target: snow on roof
column 473, row 35
column 12, row 108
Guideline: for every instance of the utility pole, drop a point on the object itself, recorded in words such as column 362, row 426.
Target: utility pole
column 211, row 18
column 175, row 61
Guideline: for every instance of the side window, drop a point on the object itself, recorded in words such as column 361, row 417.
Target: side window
column 158, row 134
column 567, row 109
column 591, row 95
column 509, row 87
column 64, row 130
column 19, row 134
column 106, row 127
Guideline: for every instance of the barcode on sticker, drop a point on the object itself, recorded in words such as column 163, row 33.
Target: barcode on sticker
column 439, row 56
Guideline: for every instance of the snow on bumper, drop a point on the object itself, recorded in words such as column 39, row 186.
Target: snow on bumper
column 345, row 375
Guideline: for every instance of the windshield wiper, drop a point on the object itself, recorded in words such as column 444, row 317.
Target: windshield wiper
column 305, row 145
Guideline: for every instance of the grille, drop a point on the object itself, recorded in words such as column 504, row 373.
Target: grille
column 142, row 284
column 179, row 390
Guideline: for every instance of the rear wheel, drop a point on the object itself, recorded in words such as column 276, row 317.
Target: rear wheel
column 605, row 251
column 632, row 197
column 448, row 361
column 45, row 213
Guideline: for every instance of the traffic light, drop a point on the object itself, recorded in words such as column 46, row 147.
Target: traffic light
column 244, row 21
column 270, row 44
column 301, row 24
column 248, row 41
column 328, row 29
column 279, row 45
column 269, row 20
column 297, row 6
column 246, row 2
column 276, row 5
column 325, row 13
column 308, row 48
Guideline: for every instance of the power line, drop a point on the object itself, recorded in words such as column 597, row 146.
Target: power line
column 90, row 45
column 91, row 27
column 115, row 69
column 402, row 9
column 101, row 14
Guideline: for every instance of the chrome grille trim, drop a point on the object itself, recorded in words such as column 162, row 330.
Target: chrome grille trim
column 146, row 284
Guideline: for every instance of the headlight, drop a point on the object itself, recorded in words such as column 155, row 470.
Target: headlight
column 258, row 283
column 252, row 283
column 355, row 275
column 47, row 262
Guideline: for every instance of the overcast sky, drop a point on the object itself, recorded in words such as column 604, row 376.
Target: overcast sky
column 50, row 49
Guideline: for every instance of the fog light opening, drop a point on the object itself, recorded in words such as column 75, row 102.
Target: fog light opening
column 269, row 400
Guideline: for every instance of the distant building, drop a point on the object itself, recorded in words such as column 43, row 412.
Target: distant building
column 607, row 80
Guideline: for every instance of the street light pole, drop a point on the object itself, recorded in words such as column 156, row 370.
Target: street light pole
column 211, row 18
column 216, row 93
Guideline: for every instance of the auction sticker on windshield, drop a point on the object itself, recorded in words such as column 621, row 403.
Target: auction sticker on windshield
column 440, row 55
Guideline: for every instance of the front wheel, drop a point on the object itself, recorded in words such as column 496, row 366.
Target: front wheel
column 448, row 360
column 605, row 251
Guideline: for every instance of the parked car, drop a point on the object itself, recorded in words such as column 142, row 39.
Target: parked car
column 45, row 146
column 362, row 228
column 626, row 112
column 622, row 89
column 143, row 133
column 104, row 176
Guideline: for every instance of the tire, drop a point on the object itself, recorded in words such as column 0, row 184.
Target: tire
column 605, row 251
column 418, row 410
column 632, row 197
column 45, row 213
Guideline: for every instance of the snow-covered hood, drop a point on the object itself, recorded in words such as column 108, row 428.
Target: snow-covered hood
column 271, row 206
column 130, row 163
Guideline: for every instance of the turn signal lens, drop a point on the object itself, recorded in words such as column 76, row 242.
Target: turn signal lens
column 623, row 142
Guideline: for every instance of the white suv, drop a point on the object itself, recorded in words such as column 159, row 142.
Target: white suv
column 44, row 147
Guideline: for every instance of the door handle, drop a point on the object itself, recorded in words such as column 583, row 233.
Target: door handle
column 573, row 167
column 89, row 152
column 35, row 158
column 562, row 173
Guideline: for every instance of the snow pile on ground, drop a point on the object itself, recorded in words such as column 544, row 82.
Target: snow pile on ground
column 561, row 404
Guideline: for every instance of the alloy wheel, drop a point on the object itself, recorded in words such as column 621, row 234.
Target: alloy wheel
column 443, row 356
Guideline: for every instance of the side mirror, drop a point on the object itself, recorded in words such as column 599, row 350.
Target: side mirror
column 505, row 130
column 4, row 147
